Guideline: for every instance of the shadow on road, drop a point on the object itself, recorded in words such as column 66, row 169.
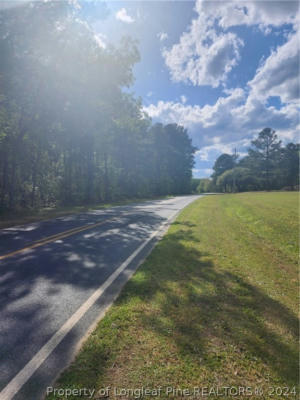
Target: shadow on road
column 41, row 288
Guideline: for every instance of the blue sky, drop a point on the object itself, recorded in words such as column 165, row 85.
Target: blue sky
column 224, row 70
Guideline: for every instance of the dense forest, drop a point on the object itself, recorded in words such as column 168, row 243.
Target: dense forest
column 267, row 166
column 70, row 133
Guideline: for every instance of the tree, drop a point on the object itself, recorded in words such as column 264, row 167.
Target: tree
column 69, row 134
column 239, row 178
column 268, row 165
column 59, row 105
column 225, row 181
column 223, row 163
column 265, row 155
column 290, row 165
column 194, row 184
column 204, row 185
column 171, row 159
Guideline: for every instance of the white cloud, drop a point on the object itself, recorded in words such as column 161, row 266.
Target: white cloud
column 183, row 99
column 250, row 12
column 100, row 40
column 279, row 74
column 149, row 94
column 202, row 172
column 207, row 52
column 211, row 118
column 162, row 36
column 231, row 122
column 208, row 153
column 203, row 57
column 122, row 15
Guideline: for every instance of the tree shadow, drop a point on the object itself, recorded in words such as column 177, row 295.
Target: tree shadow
column 42, row 287
column 219, row 307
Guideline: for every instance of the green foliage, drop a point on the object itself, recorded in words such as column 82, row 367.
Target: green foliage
column 290, row 165
column 194, row 185
column 68, row 132
column 238, row 179
column 171, row 159
column 205, row 186
column 265, row 154
column 223, row 163
column 267, row 166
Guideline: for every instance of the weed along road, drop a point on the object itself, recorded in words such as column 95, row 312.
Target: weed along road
column 57, row 279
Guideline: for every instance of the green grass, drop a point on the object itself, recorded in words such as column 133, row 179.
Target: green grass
column 215, row 304
column 24, row 216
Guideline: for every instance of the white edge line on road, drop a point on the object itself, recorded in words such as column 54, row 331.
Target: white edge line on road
column 29, row 369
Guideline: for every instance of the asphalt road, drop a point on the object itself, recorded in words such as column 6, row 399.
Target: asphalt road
column 57, row 277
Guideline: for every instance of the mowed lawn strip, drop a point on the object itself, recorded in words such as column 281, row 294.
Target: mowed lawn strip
column 215, row 304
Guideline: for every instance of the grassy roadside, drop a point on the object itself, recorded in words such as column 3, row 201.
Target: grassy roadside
column 215, row 304
column 33, row 215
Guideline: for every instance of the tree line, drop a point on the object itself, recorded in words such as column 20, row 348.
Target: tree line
column 69, row 132
column 267, row 166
